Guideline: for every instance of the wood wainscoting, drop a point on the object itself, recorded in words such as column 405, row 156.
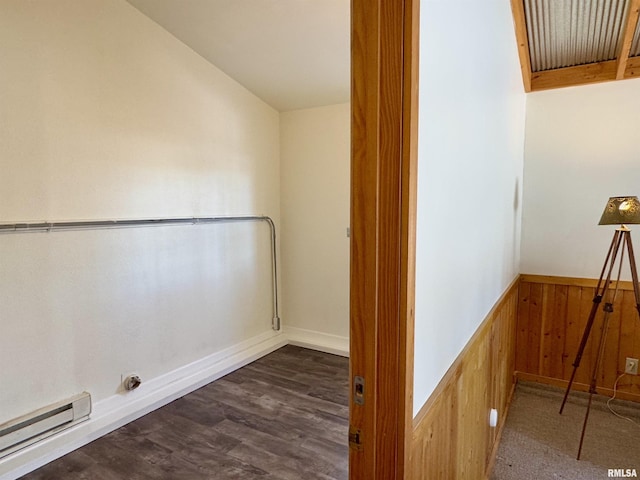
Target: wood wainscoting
column 552, row 313
column 451, row 434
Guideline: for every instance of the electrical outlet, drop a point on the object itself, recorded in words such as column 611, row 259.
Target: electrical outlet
column 631, row 366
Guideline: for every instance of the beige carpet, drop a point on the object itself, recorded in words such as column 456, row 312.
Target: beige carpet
column 539, row 444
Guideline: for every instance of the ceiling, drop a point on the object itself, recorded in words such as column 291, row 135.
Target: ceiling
column 564, row 43
column 292, row 54
column 295, row 54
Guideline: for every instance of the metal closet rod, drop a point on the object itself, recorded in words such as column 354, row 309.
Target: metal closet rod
column 153, row 222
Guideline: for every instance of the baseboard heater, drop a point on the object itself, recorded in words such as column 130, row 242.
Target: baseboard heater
column 42, row 423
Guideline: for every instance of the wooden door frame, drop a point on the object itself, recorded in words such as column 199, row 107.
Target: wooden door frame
column 384, row 111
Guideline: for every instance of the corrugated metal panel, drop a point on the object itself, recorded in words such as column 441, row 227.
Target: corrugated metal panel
column 635, row 45
column 564, row 33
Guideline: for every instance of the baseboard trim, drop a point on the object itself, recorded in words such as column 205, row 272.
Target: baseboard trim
column 120, row 409
column 323, row 342
column 576, row 386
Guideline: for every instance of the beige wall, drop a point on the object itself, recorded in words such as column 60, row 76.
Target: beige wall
column 470, row 148
column 105, row 115
column 581, row 149
column 315, row 161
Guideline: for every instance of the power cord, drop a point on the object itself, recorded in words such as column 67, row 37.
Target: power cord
column 615, row 387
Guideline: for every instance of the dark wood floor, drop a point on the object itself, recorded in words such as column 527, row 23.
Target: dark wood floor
column 284, row 416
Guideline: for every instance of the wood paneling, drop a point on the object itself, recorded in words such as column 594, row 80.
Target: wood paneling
column 451, row 437
column 552, row 314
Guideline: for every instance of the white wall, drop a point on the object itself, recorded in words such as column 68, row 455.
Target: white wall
column 581, row 149
column 105, row 115
column 472, row 108
column 315, row 203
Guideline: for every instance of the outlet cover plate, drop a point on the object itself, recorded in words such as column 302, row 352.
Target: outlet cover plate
column 631, row 366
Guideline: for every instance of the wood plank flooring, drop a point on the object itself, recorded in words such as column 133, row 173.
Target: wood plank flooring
column 284, row 416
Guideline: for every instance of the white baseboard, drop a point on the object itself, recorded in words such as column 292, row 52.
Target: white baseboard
column 120, row 409
column 323, row 342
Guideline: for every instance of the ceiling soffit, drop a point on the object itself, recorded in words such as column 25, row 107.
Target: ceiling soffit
column 573, row 42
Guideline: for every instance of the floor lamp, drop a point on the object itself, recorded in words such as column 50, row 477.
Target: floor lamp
column 619, row 211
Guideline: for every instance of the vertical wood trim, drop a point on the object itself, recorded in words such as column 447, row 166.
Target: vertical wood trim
column 408, row 229
column 520, row 25
column 627, row 38
column 384, row 74
column 364, row 226
column 389, row 325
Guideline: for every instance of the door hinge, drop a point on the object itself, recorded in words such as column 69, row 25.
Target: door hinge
column 355, row 438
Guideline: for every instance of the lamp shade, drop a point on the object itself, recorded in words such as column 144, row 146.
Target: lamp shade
column 621, row 210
